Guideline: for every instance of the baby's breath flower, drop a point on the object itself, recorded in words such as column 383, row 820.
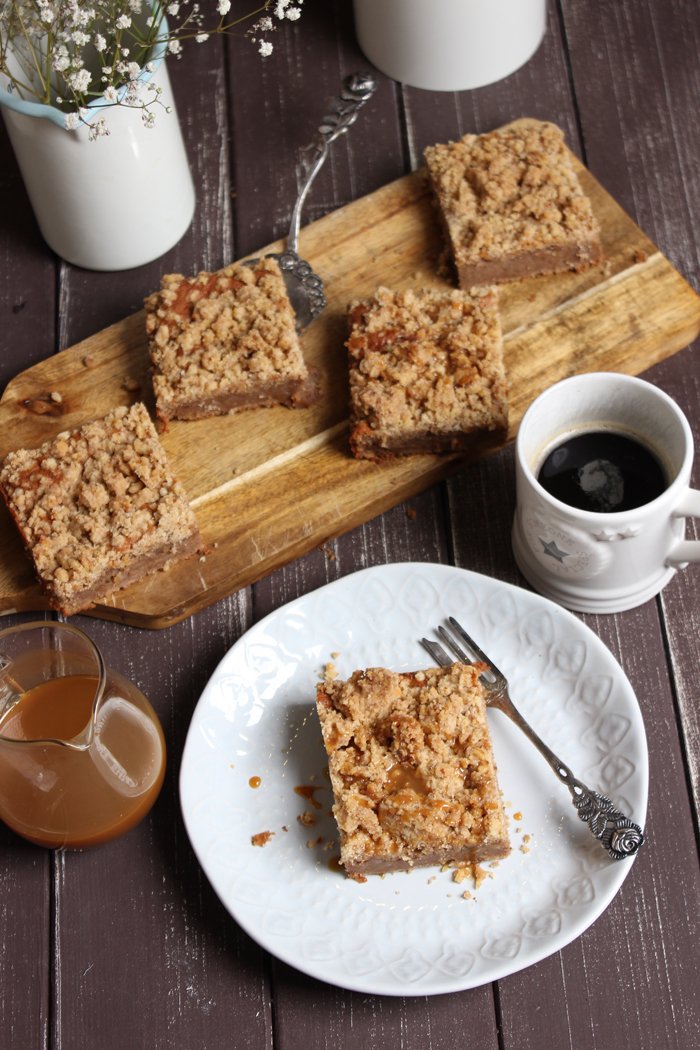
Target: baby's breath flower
column 67, row 52
column 82, row 15
column 98, row 128
column 80, row 80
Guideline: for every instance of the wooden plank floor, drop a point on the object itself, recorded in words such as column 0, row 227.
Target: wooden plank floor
column 127, row 945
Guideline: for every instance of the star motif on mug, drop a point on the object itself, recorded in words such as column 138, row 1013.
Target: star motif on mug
column 553, row 551
column 610, row 536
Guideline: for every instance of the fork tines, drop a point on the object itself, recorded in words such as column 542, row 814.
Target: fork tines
column 443, row 659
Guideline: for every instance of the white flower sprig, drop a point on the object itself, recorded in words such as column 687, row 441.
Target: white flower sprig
column 69, row 54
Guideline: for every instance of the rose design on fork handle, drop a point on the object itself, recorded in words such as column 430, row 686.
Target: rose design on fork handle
column 619, row 835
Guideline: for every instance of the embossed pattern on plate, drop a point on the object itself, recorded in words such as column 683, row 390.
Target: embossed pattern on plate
column 409, row 933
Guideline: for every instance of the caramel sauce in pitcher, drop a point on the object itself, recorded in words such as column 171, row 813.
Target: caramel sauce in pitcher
column 60, row 797
column 59, row 709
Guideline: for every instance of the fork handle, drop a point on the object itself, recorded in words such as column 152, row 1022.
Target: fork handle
column 620, row 836
column 357, row 89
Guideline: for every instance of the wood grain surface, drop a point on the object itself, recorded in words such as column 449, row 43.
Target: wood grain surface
column 625, row 315
column 127, row 945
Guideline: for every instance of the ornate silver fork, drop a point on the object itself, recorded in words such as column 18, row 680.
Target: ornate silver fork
column 304, row 287
column 615, row 832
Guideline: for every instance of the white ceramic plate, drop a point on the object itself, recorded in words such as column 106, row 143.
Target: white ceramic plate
column 409, row 933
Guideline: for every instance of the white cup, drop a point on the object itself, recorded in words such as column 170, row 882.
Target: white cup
column 603, row 561
column 449, row 45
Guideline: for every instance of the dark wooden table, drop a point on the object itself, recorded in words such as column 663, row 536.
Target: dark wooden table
column 127, row 946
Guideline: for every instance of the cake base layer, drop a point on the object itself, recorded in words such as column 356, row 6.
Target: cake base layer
column 112, row 581
column 291, row 394
column 364, row 445
column 475, row 855
column 573, row 258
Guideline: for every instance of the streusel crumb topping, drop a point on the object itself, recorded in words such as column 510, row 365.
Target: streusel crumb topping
column 427, row 361
column 411, row 763
column 231, row 331
column 95, row 501
column 509, row 191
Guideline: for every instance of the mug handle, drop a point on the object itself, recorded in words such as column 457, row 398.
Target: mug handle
column 686, row 550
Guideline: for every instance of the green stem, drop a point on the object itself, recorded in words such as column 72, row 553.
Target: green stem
column 45, row 95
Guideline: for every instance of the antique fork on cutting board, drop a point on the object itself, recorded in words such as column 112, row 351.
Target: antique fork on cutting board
column 304, row 287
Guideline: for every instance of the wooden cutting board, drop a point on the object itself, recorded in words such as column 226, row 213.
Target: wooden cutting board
column 269, row 485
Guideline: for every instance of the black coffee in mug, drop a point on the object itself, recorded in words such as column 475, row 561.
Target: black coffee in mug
column 602, row 471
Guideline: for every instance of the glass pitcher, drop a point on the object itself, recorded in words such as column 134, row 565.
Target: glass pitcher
column 82, row 753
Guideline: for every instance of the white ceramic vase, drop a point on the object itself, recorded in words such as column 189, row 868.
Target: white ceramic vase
column 113, row 203
column 449, row 45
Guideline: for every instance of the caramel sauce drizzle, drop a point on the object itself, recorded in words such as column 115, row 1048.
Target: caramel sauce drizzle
column 307, row 791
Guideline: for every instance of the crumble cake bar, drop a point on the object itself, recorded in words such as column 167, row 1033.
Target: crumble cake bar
column 224, row 341
column 412, row 769
column 426, row 372
column 98, row 508
column 512, row 205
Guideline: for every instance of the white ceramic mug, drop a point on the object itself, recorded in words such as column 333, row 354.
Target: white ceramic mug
column 111, row 204
column 449, row 45
column 603, row 561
